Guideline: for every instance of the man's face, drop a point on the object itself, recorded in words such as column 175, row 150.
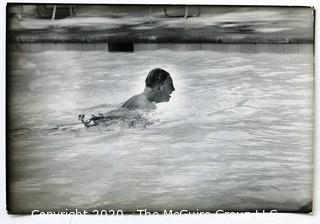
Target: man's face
column 165, row 90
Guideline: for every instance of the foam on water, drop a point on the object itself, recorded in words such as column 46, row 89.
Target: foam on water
column 236, row 134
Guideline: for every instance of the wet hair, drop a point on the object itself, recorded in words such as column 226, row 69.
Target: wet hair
column 156, row 77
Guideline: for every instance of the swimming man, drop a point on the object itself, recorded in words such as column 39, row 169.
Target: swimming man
column 159, row 86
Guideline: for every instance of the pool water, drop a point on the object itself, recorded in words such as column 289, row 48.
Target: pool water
column 236, row 134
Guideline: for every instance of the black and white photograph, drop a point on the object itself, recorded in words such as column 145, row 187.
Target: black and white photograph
column 140, row 109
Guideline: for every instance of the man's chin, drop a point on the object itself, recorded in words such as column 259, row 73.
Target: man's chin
column 163, row 100
column 166, row 99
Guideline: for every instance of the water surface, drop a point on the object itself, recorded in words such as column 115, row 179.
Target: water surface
column 236, row 134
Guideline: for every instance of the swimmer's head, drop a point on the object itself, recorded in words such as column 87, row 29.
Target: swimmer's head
column 161, row 84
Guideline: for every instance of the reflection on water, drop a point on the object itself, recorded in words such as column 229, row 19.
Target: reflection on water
column 236, row 134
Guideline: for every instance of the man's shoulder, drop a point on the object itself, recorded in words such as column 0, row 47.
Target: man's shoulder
column 134, row 101
column 130, row 101
column 138, row 102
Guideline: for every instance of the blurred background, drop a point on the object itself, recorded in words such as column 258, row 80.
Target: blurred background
column 103, row 27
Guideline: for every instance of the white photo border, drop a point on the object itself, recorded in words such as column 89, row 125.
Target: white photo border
column 235, row 218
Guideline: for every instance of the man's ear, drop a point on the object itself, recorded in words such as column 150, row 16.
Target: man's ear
column 157, row 87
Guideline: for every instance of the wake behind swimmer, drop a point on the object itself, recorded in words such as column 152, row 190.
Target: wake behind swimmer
column 158, row 89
